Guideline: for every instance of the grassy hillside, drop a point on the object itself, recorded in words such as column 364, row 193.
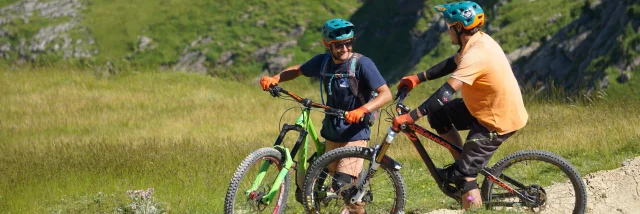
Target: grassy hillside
column 239, row 27
column 400, row 36
column 75, row 142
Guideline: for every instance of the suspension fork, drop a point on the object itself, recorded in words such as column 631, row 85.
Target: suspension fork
column 379, row 157
column 288, row 162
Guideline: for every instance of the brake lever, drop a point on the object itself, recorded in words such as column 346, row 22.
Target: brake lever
column 342, row 114
column 274, row 91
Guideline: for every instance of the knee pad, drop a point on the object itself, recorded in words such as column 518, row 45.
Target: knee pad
column 439, row 122
column 455, row 176
column 461, row 183
column 340, row 179
column 467, row 186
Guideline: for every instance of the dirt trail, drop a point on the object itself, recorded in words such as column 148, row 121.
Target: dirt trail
column 611, row 191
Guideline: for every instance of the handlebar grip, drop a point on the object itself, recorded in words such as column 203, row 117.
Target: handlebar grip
column 401, row 93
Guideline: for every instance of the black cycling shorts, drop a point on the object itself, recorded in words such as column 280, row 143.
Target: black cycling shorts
column 480, row 144
column 478, row 149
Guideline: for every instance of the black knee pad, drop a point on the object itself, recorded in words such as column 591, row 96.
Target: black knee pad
column 467, row 186
column 455, row 176
column 340, row 179
column 440, row 122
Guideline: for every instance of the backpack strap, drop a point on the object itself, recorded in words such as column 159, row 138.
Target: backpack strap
column 353, row 81
column 351, row 74
column 323, row 72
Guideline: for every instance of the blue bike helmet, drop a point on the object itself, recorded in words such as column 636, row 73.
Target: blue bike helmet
column 337, row 30
column 468, row 13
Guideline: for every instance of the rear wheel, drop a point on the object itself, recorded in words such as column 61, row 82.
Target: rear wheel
column 241, row 198
column 550, row 181
column 386, row 192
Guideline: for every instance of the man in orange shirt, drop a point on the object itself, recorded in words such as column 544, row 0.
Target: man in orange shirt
column 491, row 105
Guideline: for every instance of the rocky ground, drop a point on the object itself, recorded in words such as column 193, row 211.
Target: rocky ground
column 610, row 191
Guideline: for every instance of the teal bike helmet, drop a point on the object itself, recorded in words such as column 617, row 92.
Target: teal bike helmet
column 337, row 30
column 468, row 13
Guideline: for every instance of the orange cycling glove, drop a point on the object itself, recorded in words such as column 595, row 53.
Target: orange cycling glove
column 404, row 119
column 266, row 82
column 409, row 81
column 356, row 115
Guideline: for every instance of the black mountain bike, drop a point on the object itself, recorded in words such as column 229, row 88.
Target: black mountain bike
column 527, row 180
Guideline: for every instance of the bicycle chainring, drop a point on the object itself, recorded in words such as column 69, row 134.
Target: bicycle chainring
column 537, row 194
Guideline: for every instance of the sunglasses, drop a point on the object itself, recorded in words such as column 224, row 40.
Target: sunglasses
column 347, row 44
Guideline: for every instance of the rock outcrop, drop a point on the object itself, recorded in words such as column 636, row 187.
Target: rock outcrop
column 565, row 59
column 55, row 38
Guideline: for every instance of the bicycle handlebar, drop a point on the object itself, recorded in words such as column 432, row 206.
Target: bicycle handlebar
column 400, row 107
column 276, row 91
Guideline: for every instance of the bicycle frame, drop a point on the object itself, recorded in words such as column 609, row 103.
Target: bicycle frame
column 410, row 131
column 304, row 126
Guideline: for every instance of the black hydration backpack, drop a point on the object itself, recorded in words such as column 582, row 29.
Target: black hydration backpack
column 353, row 84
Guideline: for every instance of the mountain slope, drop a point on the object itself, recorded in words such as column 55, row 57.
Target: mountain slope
column 575, row 44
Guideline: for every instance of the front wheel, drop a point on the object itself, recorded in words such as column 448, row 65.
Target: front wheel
column 551, row 183
column 385, row 194
column 245, row 195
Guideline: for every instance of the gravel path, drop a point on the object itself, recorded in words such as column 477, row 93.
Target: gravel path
column 611, row 191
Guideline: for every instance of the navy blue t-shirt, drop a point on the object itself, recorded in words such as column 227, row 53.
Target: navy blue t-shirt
column 369, row 79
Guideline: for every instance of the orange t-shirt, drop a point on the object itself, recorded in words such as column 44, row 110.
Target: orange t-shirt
column 490, row 90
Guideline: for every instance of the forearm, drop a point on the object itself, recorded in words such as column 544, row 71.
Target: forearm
column 384, row 97
column 289, row 73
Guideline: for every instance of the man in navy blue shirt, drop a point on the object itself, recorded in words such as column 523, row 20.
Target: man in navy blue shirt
column 338, row 37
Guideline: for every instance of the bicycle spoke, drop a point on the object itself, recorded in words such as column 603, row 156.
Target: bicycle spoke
column 252, row 182
column 381, row 196
column 542, row 178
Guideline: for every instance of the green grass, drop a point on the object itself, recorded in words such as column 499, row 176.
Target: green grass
column 4, row 3
column 72, row 141
column 174, row 24
column 523, row 22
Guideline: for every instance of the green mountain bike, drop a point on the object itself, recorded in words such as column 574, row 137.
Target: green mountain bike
column 528, row 180
column 261, row 182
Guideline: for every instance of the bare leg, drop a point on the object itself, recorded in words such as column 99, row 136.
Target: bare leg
column 350, row 166
column 454, row 137
column 474, row 195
